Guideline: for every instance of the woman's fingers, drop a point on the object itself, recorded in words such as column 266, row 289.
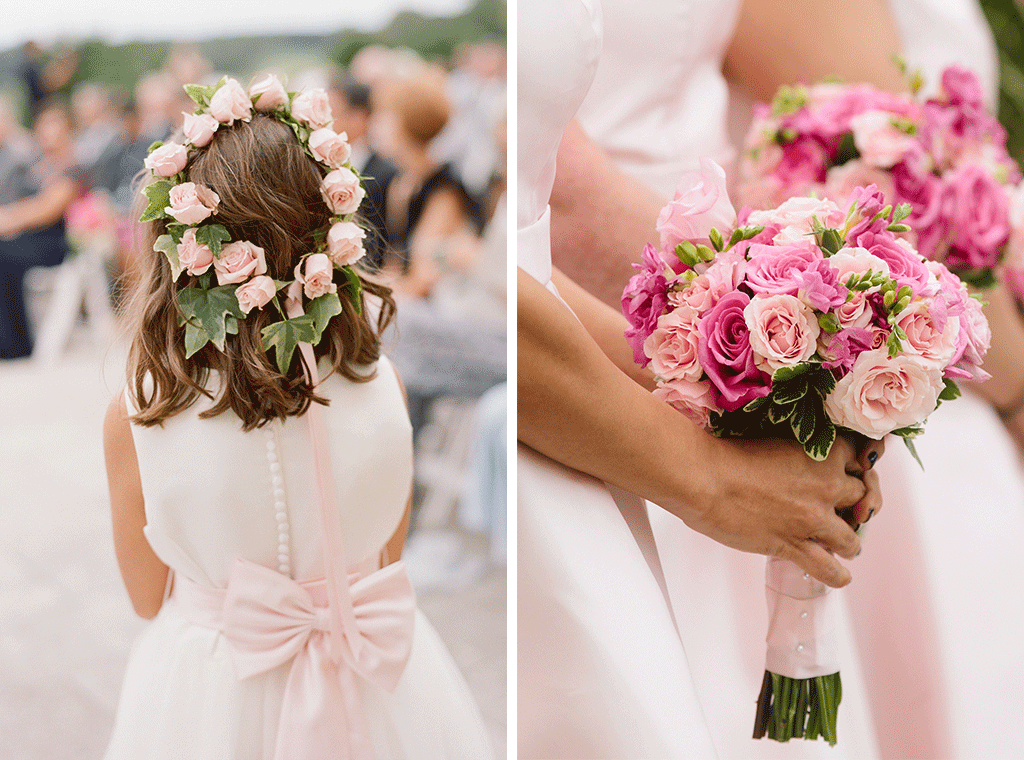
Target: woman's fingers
column 819, row 562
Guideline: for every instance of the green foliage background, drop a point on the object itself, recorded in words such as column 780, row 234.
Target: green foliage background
column 1007, row 22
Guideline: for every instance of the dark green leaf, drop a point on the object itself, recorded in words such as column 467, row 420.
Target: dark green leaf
column 830, row 241
column 213, row 236
column 847, row 149
column 820, row 443
column 322, row 309
column 159, row 194
column 780, row 413
column 822, row 382
column 355, row 287
column 782, row 374
column 212, row 308
column 285, row 336
column 789, row 391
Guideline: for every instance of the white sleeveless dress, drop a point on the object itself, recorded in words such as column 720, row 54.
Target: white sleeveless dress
column 602, row 673
column 214, row 494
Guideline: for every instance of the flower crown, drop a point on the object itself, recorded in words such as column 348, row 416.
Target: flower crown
column 193, row 243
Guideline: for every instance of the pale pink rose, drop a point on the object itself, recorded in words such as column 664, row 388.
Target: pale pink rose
column 316, row 273
column 672, row 347
column 329, row 147
column 167, row 160
column 230, row 102
column 198, row 128
column 976, row 339
column 312, row 108
column 794, row 218
column 192, row 203
column 882, row 394
column 195, row 257
column 269, row 93
column 783, row 331
column 238, row 261
column 935, row 347
column 345, row 242
column 341, row 191
column 878, row 141
column 843, row 180
column 695, row 400
column 701, row 202
column 256, row 293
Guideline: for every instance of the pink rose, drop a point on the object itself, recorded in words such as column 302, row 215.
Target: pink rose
column 192, row 203
column 643, row 301
column 701, row 202
column 256, row 293
column 312, row 108
column 795, row 216
column 847, row 262
column 783, row 331
column 167, row 160
column 195, row 257
column 975, row 341
column 345, row 242
column 878, row 140
column 230, row 102
column 796, row 269
column 906, row 266
column 316, row 276
column 726, row 354
column 980, row 218
column 330, row 148
column 915, row 184
column 198, row 128
column 882, row 394
column 238, row 261
column 269, row 93
column 341, row 191
column 672, row 347
column 962, row 86
column 694, row 399
column 1013, row 263
column 926, row 338
column 802, row 166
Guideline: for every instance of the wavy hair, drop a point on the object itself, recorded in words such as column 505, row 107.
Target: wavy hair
column 270, row 195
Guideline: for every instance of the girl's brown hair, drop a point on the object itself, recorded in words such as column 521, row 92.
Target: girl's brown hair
column 269, row 195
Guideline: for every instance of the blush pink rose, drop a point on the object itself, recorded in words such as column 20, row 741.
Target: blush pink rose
column 316, row 274
column 795, row 218
column 269, row 93
column 238, row 261
column 925, row 338
column 167, row 160
column 345, row 243
column 694, row 399
column 879, row 142
column 312, row 108
column 672, row 347
column 256, row 293
column 701, row 202
column 195, row 257
column 192, row 203
column 783, row 331
column 329, row 147
column 198, row 128
column 975, row 341
column 341, row 191
column 881, row 394
column 230, row 102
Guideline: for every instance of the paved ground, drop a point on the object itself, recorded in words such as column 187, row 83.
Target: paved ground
column 66, row 625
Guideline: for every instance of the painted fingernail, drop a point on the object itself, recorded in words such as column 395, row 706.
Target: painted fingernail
column 870, row 512
column 872, row 457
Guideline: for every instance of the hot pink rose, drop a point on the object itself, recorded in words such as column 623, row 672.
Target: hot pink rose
column 345, row 242
column 695, row 400
column 192, row 203
column 269, row 93
column 878, row 140
column 198, row 128
column 672, row 347
column 316, row 274
column 330, row 148
column 795, row 217
column 167, row 160
column 935, row 344
column 238, row 261
column 802, row 166
column 195, row 257
column 701, row 202
column 255, row 293
column 341, row 191
column 980, row 218
column 230, row 102
column 796, row 269
column 312, row 108
column 783, row 331
column 726, row 354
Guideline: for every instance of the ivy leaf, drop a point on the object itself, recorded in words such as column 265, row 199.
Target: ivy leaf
column 285, row 336
column 159, row 194
column 212, row 235
column 355, row 286
column 165, row 244
column 211, row 307
column 322, row 309
column 195, row 338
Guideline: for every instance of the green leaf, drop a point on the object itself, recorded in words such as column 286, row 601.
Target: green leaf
column 782, row 374
column 830, row 241
column 165, row 244
column 822, row 382
column 778, row 414
column 195, row 338
column 976, row 278
column 847, row 149
column 322, row 309
column 829, row 322
column 212, row 236
column 284, row 336
column 716, row 239
column 901, row 212
column 898, row 228
column 211, row 307
column 154, row 145
column 159, row 194
column 909, row 443
column 805, row 419
column 789, row 391
column 820, row 443
column 201, row 95
column 757, row 403
column 950, row 391
column 355, row 286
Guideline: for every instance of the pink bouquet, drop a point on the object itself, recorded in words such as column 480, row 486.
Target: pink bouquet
column 945, row 156
column 801, row 322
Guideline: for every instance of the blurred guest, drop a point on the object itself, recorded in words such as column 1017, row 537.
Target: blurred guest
column 99, row 134
column 15, row 154
column 32, row 227
column 352, row 108
column 43, row 80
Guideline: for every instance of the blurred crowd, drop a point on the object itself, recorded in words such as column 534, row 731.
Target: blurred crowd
column 429, row 140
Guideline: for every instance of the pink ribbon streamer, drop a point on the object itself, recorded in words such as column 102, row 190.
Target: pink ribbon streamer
column 801, row 623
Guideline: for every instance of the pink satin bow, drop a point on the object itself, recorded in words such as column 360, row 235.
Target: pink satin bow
column 269, row 619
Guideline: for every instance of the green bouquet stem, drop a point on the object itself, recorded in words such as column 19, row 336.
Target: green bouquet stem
column 798, row 708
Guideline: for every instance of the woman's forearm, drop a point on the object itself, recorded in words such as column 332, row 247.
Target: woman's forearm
column 39, row 211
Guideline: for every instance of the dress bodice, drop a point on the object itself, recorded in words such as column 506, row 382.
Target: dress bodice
column 559, row 46
column 214, row 493
column 659, row 100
